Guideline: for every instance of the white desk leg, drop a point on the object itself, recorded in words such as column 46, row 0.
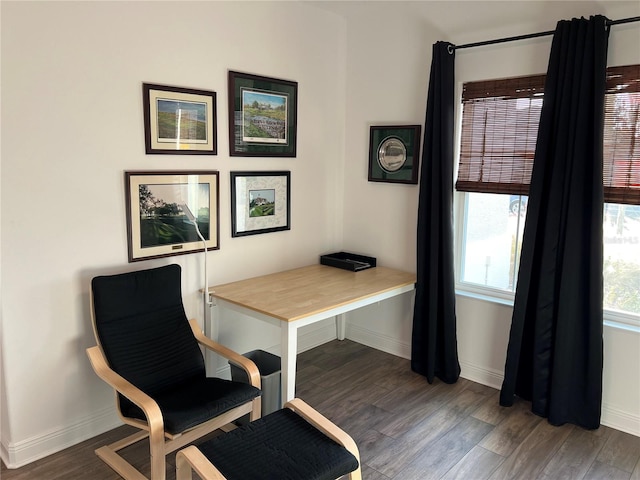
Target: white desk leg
column 289, row 349
column 341, row 326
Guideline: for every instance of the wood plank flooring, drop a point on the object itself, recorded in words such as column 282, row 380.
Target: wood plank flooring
column 407, row 429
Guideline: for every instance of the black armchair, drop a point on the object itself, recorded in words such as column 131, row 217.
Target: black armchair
column 150, row 354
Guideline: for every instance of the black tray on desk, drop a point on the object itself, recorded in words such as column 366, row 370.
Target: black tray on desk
column 348, row 261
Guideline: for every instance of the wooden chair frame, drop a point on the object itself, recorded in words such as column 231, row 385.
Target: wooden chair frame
column 191, row 459
column 162, row 443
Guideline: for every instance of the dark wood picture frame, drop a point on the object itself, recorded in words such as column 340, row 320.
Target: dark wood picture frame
column 260, row 202
column 179, row 121
column 394, row 153
column 157, row 224
column 263, row 116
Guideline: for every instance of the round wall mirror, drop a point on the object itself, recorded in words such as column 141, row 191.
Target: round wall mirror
column 392, row 154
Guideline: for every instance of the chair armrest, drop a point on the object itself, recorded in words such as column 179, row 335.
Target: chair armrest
column 326, row 426
column 126, row 388
column 247, row 365
column 192, row 458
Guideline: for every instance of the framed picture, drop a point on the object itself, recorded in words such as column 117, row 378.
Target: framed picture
column 162, row 207
column 394, row 154
column 260, row 202
column 179, row 120
column 262, row 116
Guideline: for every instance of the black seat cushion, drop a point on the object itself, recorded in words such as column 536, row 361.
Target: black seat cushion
column 279, row 446
column 147, row 339
column 195, row 402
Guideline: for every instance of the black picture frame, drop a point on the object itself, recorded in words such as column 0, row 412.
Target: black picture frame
column 273, row 131
column 394, row 153
column 158, row 226
column 179, row 121
column 260, row 202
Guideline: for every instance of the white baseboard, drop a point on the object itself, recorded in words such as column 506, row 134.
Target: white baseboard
column 611, row 416
column 620, row 420
column 18, row 454
column 315, row 335
column 378, row 341
column 485, row 376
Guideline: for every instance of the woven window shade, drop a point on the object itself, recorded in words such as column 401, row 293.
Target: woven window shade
column 499, row 129
column 500, row 126
column 622, row 135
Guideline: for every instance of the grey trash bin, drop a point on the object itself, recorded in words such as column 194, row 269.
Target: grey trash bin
column 269, row 367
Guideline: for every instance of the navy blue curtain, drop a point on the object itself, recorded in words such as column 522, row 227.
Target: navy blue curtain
column 554, row 357
column 434, row 351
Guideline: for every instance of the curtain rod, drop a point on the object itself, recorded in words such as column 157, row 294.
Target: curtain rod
column 534, row 35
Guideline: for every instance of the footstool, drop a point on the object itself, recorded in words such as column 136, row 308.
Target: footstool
column 295, row 443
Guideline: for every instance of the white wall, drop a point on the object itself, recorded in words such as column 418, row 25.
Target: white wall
column 388, row 62
column 72, row 123
column 387, row 83
column 72, row 77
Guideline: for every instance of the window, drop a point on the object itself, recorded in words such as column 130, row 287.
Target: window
column 492, row 240
column 621, row 268
column 499, row 129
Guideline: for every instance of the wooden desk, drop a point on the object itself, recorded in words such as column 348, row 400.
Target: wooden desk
column 299, row 297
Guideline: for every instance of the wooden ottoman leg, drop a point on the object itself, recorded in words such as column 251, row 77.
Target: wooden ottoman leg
column 190, row 459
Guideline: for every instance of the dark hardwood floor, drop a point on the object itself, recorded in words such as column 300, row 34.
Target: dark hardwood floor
column 407, row 429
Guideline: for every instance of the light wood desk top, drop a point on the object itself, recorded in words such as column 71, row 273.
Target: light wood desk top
column 301, row 292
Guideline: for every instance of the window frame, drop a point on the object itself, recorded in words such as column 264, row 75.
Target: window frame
column 611, row 318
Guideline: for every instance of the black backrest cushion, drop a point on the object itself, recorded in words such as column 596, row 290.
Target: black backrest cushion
column 143, row 329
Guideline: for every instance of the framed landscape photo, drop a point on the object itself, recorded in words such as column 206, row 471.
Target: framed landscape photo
column 179, row 120
column 260, row 202
column 394, row 153
column 262, row 116
column 161, row 207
